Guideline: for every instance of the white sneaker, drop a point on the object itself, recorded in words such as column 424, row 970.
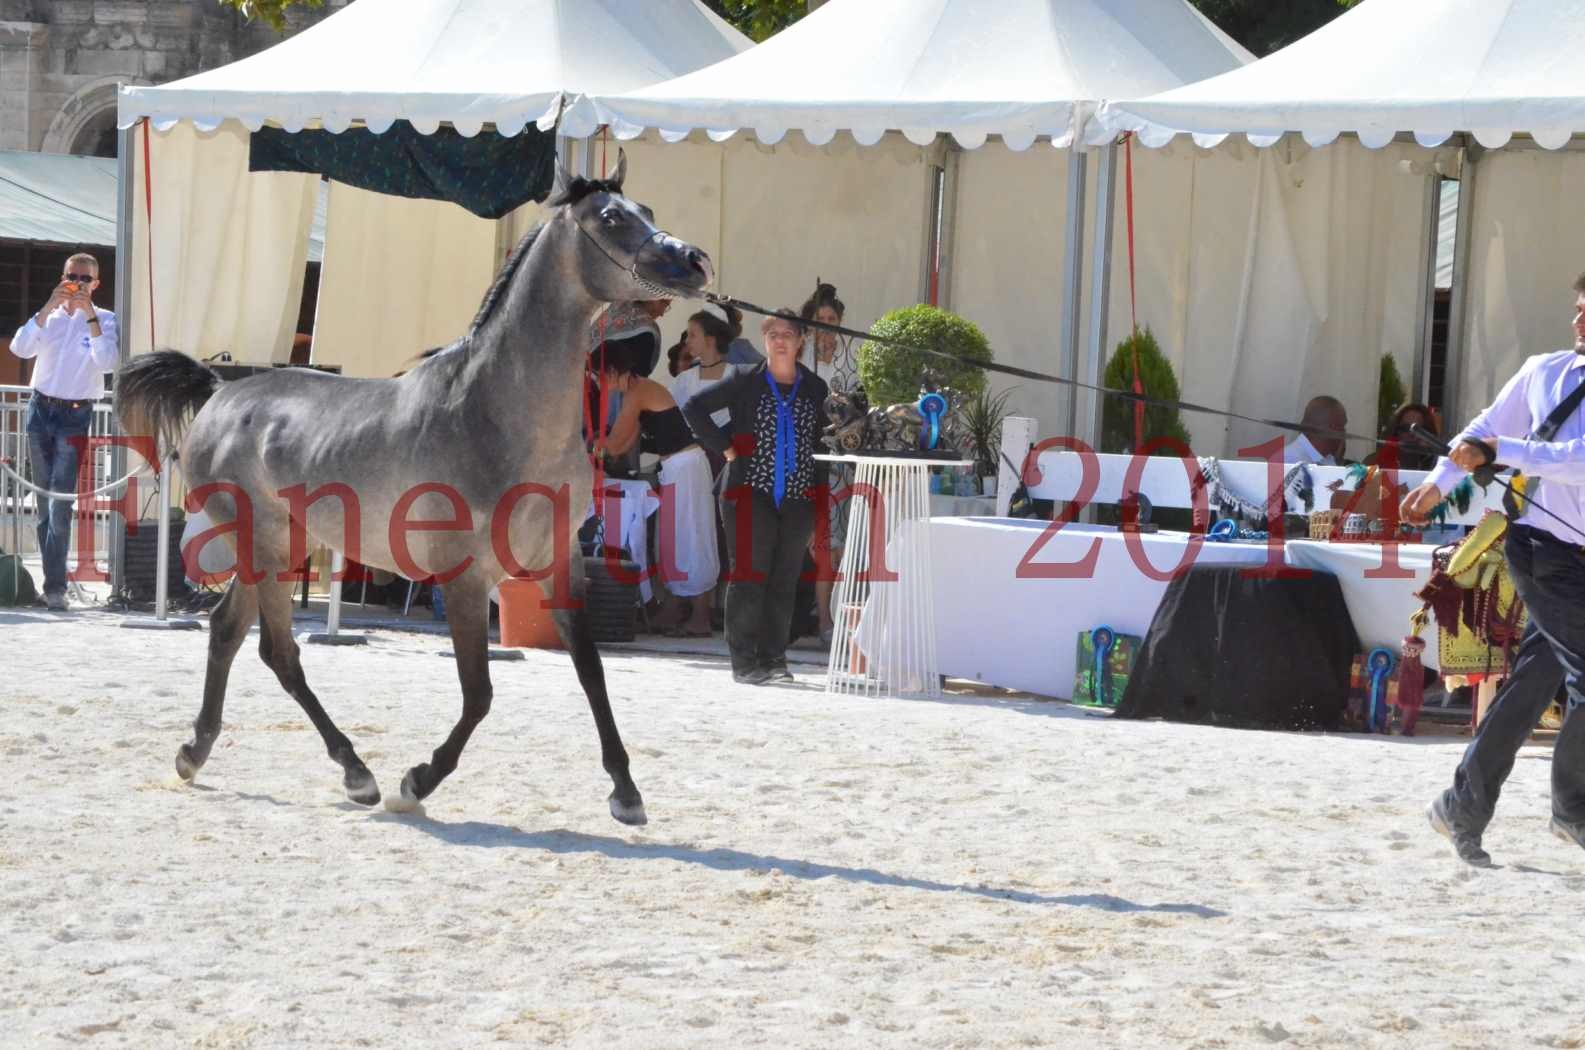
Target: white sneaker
column 57, row 602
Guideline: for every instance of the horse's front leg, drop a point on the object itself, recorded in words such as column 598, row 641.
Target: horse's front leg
column 627, row 805
column 468, row 616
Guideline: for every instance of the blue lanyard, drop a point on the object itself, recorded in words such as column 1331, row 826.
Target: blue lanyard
column 786, row 452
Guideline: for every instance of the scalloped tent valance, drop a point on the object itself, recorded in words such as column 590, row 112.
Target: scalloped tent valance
column 1018, row 69
column 1490, row 68
column 467, row 63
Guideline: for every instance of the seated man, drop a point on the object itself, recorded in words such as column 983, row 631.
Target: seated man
column 1322, row 441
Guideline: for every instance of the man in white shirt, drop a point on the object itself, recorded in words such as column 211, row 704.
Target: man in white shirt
column 1547, row 562
column 1325, row 421
column 73, row 344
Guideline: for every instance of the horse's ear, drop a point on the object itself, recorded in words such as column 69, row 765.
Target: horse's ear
column 563, row 179
column 621, row 169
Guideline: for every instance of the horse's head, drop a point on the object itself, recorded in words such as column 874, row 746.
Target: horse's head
column 621, row 253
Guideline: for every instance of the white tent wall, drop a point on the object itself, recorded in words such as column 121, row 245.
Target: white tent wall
column 1006, row 266
column 400, row 276
column 1527, row 225
column 1271, row 276
column 230, row 248
column 855, row 216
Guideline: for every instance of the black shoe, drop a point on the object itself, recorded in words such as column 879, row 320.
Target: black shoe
column 1464, row 842
column 1574, row 833
column 753, row 676
column 777, row 672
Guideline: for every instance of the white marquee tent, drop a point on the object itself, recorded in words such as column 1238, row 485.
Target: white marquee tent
column 1267, row 278
column 399, row 275
column 1505, row 76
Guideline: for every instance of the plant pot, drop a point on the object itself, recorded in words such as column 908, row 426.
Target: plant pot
column 988, row 486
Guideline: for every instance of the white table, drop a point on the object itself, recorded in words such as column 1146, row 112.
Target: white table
column 1019, row 629
column 899, row 658
column 1380, row 607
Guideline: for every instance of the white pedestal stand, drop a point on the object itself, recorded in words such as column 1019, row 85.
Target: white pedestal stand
column 898, row 655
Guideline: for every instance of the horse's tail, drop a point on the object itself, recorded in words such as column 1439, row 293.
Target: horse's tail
column 159, row 393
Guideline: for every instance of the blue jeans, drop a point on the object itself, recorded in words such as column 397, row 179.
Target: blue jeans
column 51, row 427
column 1549, row 575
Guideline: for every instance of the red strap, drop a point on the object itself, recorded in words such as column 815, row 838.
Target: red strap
column 148, row 215
column 1133, row 296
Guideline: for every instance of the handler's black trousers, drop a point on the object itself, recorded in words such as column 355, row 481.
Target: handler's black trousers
column 766, row 561
column 1550, row 576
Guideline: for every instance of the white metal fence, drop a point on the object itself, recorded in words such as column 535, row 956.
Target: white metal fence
column 19, row 508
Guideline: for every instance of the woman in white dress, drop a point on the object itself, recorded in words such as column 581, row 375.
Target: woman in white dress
column 691, row 567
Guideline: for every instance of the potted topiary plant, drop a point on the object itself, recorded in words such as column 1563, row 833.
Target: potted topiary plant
column 1157, row 379
column 981, row 419
column 1390, row 394
column 893, row 375
column 1117, row 414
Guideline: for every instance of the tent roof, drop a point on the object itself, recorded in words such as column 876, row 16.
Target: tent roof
column 1492, row 68
column 62, row 199
column 466, row 62
column 1015, row 68
column 58, row 198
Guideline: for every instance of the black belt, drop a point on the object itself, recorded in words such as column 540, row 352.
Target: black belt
column 61, row 401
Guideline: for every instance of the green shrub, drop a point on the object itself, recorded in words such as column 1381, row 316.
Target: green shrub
column 892, row 375
column 1158, row 380
column 1389, row 395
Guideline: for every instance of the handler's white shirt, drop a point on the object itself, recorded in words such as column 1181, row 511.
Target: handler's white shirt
column 71, row 362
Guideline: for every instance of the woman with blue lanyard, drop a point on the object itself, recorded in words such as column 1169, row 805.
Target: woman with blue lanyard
column 776, row 417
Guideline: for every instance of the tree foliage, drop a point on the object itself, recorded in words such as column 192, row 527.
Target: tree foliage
column 1263, row 26
column 271, row 11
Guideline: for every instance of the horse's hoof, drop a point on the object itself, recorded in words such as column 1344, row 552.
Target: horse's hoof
column 407, row 801
column 361, row 787
column 629, row 812
column 187, row 766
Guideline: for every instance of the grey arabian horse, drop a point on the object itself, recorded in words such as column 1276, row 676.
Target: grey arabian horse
column 471, row 444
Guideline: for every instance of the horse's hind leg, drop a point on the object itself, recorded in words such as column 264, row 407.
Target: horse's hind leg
column 627, row 805
column 279, row 650
column 228, row 626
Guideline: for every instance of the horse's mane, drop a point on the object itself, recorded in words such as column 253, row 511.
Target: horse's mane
column 576, row 190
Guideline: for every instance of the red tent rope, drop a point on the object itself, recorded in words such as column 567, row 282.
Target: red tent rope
column 148, row 215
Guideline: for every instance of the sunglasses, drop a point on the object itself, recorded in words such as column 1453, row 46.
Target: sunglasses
column 81, row 278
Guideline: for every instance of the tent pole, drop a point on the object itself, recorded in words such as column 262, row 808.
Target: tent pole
column 1072, row 285
column 1429, row 232
column 1089, row 421
column 1458, row 314
column 126, row 144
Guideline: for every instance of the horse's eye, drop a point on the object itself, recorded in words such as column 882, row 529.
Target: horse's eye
column 610, row 216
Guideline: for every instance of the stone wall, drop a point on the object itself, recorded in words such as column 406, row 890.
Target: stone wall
column 61, row 61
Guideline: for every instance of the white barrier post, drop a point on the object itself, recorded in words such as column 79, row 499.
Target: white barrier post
column 332, row 634
column 162, row 562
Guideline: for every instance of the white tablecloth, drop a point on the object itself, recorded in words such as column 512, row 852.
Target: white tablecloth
column 993, row 627
column 1380, row 608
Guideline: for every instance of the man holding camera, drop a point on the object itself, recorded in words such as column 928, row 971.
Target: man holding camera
column 73, row 344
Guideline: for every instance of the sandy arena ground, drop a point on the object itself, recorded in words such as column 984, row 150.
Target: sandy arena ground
column 817, row 871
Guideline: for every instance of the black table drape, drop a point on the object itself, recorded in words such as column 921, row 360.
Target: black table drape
column 1228, row 649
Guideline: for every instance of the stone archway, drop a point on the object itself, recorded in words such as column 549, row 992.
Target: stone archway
column 86, row 123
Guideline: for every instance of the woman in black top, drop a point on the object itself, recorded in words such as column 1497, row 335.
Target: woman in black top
column 777, row 414
column 690, row 563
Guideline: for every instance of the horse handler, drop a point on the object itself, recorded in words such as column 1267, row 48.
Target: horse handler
column 1535, row 426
